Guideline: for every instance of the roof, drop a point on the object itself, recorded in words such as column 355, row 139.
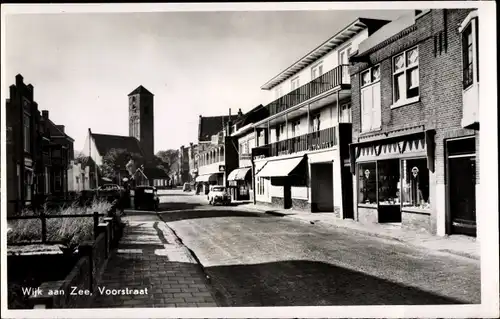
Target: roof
column 55, row 130
column 155, row 173
column 335, row 41
column 104, row 143
column 140, row 90
column 211, row 125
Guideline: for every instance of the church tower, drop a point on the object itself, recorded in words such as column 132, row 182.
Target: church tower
column 141, row 119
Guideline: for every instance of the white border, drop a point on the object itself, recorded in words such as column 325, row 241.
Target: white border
column 487, row 215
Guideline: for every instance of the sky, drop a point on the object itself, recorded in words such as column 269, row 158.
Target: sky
column 83, row 66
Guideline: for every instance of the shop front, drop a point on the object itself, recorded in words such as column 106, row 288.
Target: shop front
column 206, row 180
column 393, row 179
column 286, row 175
column 240, row 183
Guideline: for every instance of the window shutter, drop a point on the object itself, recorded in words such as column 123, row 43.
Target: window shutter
column 376, row 107
column 366, row 106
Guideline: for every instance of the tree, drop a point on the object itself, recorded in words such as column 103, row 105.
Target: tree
column 168, row 156
column 116, row 160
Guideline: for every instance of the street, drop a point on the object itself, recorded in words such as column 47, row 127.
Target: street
column 255, row 259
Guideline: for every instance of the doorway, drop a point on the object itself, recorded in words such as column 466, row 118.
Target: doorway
column 347, row 197
column 322, row 187
column 462, row 186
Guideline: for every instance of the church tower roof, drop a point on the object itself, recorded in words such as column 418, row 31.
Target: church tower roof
column 140, row 90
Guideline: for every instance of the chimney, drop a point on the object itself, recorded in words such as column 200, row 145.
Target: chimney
column 240, row 113
column 45, row 114
column 229, row 124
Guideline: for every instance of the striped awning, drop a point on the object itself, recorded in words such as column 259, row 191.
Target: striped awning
column 239, row 174
column 207, row 178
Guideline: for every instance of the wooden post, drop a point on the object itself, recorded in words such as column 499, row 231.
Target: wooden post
column 44, row 227
column 96, row 224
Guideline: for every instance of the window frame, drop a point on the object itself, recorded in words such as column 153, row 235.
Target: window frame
column 470, row 27
column 372, row 81
column 404, row 72
column 317, row 68
column 26, row 132
column 349, row 112
column 347, row 50
column 293, row 81
column 295, row 125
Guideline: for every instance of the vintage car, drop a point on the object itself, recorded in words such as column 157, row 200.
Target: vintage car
column 145, row 197
column 218, row 194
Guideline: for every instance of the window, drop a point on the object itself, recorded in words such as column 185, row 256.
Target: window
column 406, row 75
column 280, row 131
column 345, row 113
column 344, row 55
column 27, row 133
column 367, row 183
column 415, row 183
column 316, row 123
column 57, row 181
column 317, row 71
column 296, row 128
column 388, row 181
column 295, row 83
column 278, row 91
column 371, row 118
column 47, row 181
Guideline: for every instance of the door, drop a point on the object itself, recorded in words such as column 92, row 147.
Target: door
column 347, row 198
column 322, row 187
column 462, row 194
column 287, row 195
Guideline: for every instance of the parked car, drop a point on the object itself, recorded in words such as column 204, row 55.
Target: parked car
column 146, row 197
column 186, row 187
column 218, row 194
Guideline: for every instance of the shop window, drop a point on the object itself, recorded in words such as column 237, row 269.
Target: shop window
column 415, row 183
column 388, row 181
column 367, row 183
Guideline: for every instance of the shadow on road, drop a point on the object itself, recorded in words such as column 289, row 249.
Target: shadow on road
column 308, row 283
column 177, row 206
column 205, row 213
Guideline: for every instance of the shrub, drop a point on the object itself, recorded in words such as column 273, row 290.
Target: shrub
column 69, row 231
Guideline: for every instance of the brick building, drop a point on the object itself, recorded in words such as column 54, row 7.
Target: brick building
column 38, row 151
column 415, row 105
column 302, row 144
column 216, row 151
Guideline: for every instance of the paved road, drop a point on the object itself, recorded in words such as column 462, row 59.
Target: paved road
column 261, row 260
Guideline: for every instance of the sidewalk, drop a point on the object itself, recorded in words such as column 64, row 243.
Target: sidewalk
column 151, row 268
column 456, row 244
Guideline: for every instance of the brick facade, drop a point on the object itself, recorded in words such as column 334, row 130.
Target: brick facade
column 440, row 104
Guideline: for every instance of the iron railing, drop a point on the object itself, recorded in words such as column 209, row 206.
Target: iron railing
column 308, row 142
column 323, row 83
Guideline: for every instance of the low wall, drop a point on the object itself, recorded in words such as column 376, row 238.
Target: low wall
column 86, row 273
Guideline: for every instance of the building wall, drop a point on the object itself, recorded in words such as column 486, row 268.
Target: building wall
column 330, row 61
column 440, row 103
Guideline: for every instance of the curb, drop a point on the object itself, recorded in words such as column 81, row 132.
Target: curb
column 366, row 233
column 221, row 301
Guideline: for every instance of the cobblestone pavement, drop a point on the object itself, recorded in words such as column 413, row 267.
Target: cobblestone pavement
column 256, row 259
column 151, row 257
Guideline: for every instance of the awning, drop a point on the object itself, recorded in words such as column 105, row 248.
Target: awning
column 238, row 174
column 206, row 178
column 280, row 168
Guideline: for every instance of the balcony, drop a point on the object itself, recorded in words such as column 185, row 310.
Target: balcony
column 319, row 140
column 326, row 82
column 470, row 117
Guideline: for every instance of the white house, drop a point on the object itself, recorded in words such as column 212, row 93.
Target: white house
column 303, row 144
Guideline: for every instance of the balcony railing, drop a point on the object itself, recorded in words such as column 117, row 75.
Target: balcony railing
column 308, row 142
column 323, row 83
column 245, row 156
